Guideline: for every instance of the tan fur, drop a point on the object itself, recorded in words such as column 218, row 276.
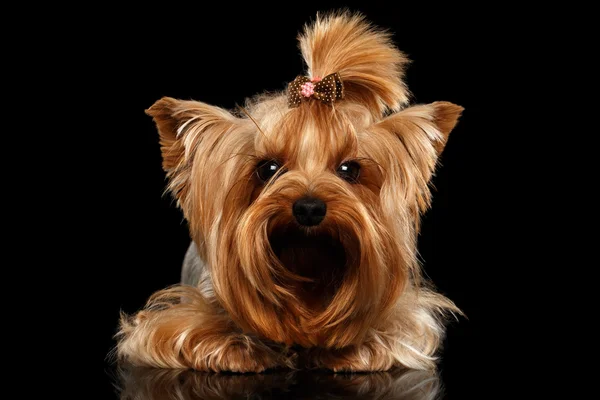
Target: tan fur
column 349, row 292
column 370, row 65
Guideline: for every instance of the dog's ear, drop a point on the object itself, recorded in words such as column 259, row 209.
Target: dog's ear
column 184, row 126
column 421, row 133
column 177, row 120
column 423, row 129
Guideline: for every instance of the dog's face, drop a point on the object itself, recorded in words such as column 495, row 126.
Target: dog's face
column 317, row 216
column 311, row 212
column 306, row 216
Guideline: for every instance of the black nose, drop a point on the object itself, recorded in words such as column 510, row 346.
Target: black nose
column 309, row 211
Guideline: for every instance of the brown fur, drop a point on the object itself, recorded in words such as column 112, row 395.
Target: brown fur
column 349, row 291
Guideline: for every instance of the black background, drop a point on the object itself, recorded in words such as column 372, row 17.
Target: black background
column 136, row 237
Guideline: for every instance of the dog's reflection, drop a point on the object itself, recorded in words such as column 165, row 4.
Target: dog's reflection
column 158, row 384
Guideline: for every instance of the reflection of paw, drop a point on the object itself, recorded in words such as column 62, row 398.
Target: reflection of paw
column 363, row 358
column 242, row 356
column 183, row 384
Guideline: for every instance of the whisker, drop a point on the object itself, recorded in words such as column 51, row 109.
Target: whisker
column 241, row 108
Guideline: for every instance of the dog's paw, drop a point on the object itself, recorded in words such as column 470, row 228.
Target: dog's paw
column 352, row 359
column 243, row 356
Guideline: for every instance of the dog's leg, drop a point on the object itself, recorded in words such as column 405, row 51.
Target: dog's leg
column 410, row 337
column 194, row 269
column 179, row 329
column 379, row 352
column 369, row 356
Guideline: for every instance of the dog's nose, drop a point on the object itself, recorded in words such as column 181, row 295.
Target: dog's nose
column 309, row 211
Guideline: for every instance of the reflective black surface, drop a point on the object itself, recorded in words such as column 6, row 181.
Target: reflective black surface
column 156, row 384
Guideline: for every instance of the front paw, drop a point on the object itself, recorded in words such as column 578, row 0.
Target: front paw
column 352, row 359
column 242, row 355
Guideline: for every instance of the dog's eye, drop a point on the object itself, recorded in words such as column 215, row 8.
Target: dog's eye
column 266, row 169
column 349, row 171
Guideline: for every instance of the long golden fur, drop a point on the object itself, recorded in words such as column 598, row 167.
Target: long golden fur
column 346, row 294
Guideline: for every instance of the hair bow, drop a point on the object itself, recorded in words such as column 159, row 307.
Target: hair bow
column 328, row 89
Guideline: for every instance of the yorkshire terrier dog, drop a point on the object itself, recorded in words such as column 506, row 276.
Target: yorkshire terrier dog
column 304, row 209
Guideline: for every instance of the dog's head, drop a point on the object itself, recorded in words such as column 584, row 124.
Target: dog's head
column 305, row 205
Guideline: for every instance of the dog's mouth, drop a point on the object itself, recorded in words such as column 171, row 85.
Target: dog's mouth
column 320, row 257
